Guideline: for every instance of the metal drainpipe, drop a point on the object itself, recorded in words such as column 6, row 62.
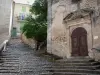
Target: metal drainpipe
column 11, row 19
column 49, row 24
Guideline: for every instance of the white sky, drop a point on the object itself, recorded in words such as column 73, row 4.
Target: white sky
column 24, row 1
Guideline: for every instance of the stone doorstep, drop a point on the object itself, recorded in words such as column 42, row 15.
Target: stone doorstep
column 75, row 59
column 64, row 71
column 64, row 60
column 77, row 63
column 79, row 57
column 63, row 67
column 75, row 70
column 70, row 73
column 74, row 64
column 70, row 67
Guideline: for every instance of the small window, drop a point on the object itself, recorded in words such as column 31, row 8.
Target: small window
column 75, row 1
column 23, row 9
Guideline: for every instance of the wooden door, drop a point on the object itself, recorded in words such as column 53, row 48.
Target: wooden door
column 79, row 42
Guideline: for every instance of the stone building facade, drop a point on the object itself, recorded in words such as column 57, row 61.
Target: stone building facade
column 73, row 27
column 5, row 19
column 21, row 11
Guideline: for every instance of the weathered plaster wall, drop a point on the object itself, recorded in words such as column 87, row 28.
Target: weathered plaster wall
column 5, row 10
column 59, row 34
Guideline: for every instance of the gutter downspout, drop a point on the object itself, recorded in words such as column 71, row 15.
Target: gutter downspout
column 11, row 20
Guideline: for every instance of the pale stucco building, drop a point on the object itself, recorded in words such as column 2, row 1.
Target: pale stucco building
column 73, row 27
column 6, row 11
column 21, row 11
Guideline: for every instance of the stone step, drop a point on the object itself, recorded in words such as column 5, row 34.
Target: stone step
column 77, row 63
column 9, row 61
column 15, row 57
column 76, row 60
column 70, row 73
column 46, row 73
column 71, row 62
column 75, row 70
column 9, row 58
column 7, row 64
column 74, row 64
column 9, row 71
column 33, row 72
column 80, row 57
column 63, row 71
column 12, row 56
column 75, row 67
column 8, row 68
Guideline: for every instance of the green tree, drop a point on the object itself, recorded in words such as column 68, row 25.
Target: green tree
column 36, row 27
column 39, row 8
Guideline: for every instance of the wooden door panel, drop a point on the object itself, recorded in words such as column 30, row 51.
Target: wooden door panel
column 79, row 42
column 75, row 52
column 83, row 45
column 83, row 51
column 75, row 45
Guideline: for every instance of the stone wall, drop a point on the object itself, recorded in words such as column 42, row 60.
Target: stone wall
column 28, row 41
column 5, row 11
column 59, row 35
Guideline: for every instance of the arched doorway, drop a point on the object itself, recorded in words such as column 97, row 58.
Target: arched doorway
column 79, row 42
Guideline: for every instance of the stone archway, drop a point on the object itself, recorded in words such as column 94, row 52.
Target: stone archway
column 79, row 42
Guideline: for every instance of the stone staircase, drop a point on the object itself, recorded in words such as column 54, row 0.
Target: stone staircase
column 13, row 63
column 19, row 59
column 28, row 63
column 75, row 66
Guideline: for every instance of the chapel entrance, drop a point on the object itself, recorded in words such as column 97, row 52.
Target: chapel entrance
column 79, row 42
